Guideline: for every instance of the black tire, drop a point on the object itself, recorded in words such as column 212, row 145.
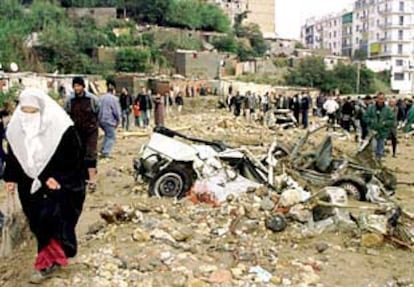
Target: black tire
column 357, row 190
column 172, row 182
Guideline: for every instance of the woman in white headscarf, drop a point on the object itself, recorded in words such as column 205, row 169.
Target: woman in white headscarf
column 45, row 164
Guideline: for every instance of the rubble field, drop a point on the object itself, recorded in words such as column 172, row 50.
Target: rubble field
column 127, row 238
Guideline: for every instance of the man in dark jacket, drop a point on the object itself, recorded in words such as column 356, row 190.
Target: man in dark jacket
column 145, row 105
column 83, row 108
column 126, row 102
column 347, row 114
column 305, row 104
column 380, row 119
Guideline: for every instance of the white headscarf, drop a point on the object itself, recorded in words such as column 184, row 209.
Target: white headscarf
column 34, row 138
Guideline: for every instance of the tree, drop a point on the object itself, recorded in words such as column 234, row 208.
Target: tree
column 44, row 13
column 346, row 76
column 226, row 44
column 132, row 60
column 256, row 39
column 299, row 45
column 185, row 14
column 152, row 12
column 310, row 72
column 214, row 19
column 360, row 54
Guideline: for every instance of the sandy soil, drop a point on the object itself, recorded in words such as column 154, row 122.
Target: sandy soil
column 346, row 264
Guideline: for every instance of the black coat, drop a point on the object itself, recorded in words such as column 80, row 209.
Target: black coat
column 53, row 214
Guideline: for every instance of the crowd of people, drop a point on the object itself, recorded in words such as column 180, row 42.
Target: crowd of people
column 252, row 105
column 361, row 115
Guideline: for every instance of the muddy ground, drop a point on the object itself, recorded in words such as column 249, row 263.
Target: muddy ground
column 287, row 256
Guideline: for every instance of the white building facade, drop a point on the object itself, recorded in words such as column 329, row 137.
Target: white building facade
column 324, row 33
column 383, row 31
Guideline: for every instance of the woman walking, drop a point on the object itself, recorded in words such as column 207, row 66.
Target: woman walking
column 159, row 111
column 45, row 164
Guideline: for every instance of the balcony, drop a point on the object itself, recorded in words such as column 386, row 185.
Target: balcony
column 392, row 25
column 391, row 11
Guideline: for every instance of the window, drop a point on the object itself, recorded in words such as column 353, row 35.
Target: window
column 385, row 48
column 401, row 20
column 399, row 62
column 401, row 6
column 399, row 76
column 335, row 34
column 400, row 49
column 400, row 35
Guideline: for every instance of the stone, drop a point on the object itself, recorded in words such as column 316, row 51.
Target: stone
column 167, row 258
column 207, row 269
column 95, row 228
column 290, row 197
column 140, row 235
column 267, row 204
column 308, row 276
column 182, row 234
column 197, row 283
column 372, row 252
column 276, row 280
column 162, row 235
column 321, row 247
column 221, row 276
column 372, row 240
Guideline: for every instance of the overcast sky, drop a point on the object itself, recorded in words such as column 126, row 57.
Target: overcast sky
column 291, row 14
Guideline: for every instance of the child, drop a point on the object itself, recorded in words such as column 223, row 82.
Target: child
column 137, row 114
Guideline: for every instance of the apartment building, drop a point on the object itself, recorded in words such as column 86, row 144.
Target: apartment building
column 382, row 30
column 347, row 34
column 324, row 33
column 260, row 12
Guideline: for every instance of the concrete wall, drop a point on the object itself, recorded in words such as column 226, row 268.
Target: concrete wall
column 102, row 16
column 197, row 64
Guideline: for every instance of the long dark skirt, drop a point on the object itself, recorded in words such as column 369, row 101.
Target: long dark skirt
column 54, row 215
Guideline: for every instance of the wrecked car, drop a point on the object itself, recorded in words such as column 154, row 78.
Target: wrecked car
column 360, row 176
column 171, row 166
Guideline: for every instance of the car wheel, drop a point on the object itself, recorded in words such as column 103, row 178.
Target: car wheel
column 172, row 182
column 354, row 190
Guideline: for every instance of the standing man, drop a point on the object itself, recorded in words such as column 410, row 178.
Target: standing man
column 83, row 108
column 409, row 126
column 109, row 118
column 179, row 102
column 393, row 134
column 331, row 107
column 305, row 104
column 145, row 106
column 379, row 119
column 296, row 107
column 126, row 104
column 347, row 114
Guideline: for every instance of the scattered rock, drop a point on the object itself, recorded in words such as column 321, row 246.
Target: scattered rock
column 267, row 204
column 140, row 235
column 276, row 223
column 197, row 283
column 161, row 235
column 289, row 198
column 372, row 240
column 321, row 247
column 182, row 234
column 221, row 276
